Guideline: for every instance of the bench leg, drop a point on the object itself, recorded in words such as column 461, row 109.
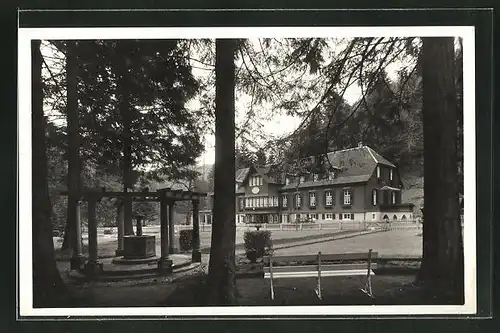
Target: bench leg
column 272, row 290
column 368, row 287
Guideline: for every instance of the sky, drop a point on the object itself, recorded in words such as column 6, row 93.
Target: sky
column 279, row 124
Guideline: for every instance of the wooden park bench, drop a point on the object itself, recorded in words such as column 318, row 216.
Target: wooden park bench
column 321, row 265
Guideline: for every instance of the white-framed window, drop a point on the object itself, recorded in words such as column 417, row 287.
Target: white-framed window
column 262, row 201
column 284, row 218
column 329, row 216
column 393, row 197
column 255, row 181
column 284, row 201
column 315, row 177
column 328, row 198
column 347, row 197
column 314, row 216
column 331, row 175
column 275, row 201
column 287, row 181
column 298, row 200
column 378, row 171
column 348, row 216
column 373, row 216
column 390, row 174
column 247, row 202
column 297, row 216
column 374, row 197
column 312, row 199
column 302, row 179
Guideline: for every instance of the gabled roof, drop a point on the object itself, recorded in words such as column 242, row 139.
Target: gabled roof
column 241, row 174
column 352, row 165
column 264, row 171
column 378, row 158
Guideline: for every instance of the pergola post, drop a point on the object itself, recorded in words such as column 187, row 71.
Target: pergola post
column 164, row 264
column 171, row 229
column 196, row 256
column 120, row 225
column 77, row 259
column 92, row 266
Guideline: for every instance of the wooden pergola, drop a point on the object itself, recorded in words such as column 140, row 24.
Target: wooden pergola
column 166, row 197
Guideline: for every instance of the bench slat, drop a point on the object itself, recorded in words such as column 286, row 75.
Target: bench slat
column 324, row 257
column 324, row 268
column 361, row 272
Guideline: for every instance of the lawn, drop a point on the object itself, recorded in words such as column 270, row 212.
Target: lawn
column 391, row 287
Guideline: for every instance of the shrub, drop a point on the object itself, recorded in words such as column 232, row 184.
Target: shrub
column 259, row 241
column 186, row 239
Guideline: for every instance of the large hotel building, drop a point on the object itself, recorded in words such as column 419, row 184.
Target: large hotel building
column 362, row 186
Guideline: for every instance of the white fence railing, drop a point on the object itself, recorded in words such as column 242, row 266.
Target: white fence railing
column 334, row 225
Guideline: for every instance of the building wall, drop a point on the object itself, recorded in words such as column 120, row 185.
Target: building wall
column 357, row 199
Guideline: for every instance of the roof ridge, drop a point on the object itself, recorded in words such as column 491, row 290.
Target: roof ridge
column 371, row 154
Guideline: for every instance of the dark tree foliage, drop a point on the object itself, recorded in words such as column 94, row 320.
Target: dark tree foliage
column 155, row 79
column 48, row 286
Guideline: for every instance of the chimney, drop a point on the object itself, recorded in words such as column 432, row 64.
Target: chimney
column 360, row 144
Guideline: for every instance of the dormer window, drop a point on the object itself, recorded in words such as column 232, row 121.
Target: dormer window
column 302, row 179
column 378, row 171
column 287, row 181
column 315, row 177
column 390, row 174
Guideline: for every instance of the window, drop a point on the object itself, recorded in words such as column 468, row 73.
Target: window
column 275, row 201
column 390, row 174
column 312, row 199
column 331, row 175
column 247, row 204
column 287, row 181
column 347, row 197
column 297, row 216
column 328, row 198
column 302, row 179
column 393, row 197
column 284, row 200
column 241, row 203
column 348, row 216
column 298, row 201
column 315, row 177
column 255, row 181
column 329, row 216
column 373, row 216
column 378, row 171
column 374, row 197
column 262, row 201
column 314, row 216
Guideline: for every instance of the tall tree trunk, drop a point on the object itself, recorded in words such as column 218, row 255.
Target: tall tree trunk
column 221, row 274
column 127, row 146
column 47, row 282
column 73, row 147
column 442, row 262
